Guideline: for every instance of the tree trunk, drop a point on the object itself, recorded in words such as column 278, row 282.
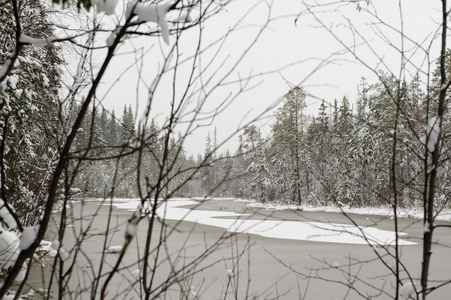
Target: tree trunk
column 429, row 193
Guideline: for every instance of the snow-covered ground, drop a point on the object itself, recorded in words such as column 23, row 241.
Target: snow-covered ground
column 175, row 209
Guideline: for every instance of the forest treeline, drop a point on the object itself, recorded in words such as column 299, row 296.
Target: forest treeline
column 341, row 155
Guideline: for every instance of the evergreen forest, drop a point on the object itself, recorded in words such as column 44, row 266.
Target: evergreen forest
column 342, row 155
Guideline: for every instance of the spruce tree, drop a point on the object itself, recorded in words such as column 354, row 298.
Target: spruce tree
column 127, row 124
column 29, row 111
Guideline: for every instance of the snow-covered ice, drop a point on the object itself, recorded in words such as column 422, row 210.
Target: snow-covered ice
column 293, row 230
column 444, row 215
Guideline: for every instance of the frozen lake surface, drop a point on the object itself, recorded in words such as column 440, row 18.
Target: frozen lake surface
column 182, row 209
column 275, row 253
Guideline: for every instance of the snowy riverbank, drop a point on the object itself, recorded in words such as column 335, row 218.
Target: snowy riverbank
column 444, row 215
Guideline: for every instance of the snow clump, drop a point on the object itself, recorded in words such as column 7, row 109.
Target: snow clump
column 28, row 237
column 409, row 291
column 110, row 39
column 9, row 241
column 114, row 249
column 427, row 227
column 229, row 273
column 432, row 133
column 56, row 249
column 155, row 13
column 132, row 223
column 9, row 249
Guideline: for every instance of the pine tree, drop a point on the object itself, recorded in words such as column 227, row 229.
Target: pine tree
column 288, row 136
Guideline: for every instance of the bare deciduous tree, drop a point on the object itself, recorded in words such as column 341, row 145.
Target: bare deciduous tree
column 190, row 75
column 382, row 43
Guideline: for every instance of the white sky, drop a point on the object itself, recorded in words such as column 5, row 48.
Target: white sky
column 304, row 46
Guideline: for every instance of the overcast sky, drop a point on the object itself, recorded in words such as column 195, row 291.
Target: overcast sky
column 302, row 53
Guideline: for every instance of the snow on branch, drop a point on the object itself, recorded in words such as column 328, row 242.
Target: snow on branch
column 28, row 237
column 25, row 39
column 155, row 13
column 38, row 42
column 432, row 133
column 410, row 290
